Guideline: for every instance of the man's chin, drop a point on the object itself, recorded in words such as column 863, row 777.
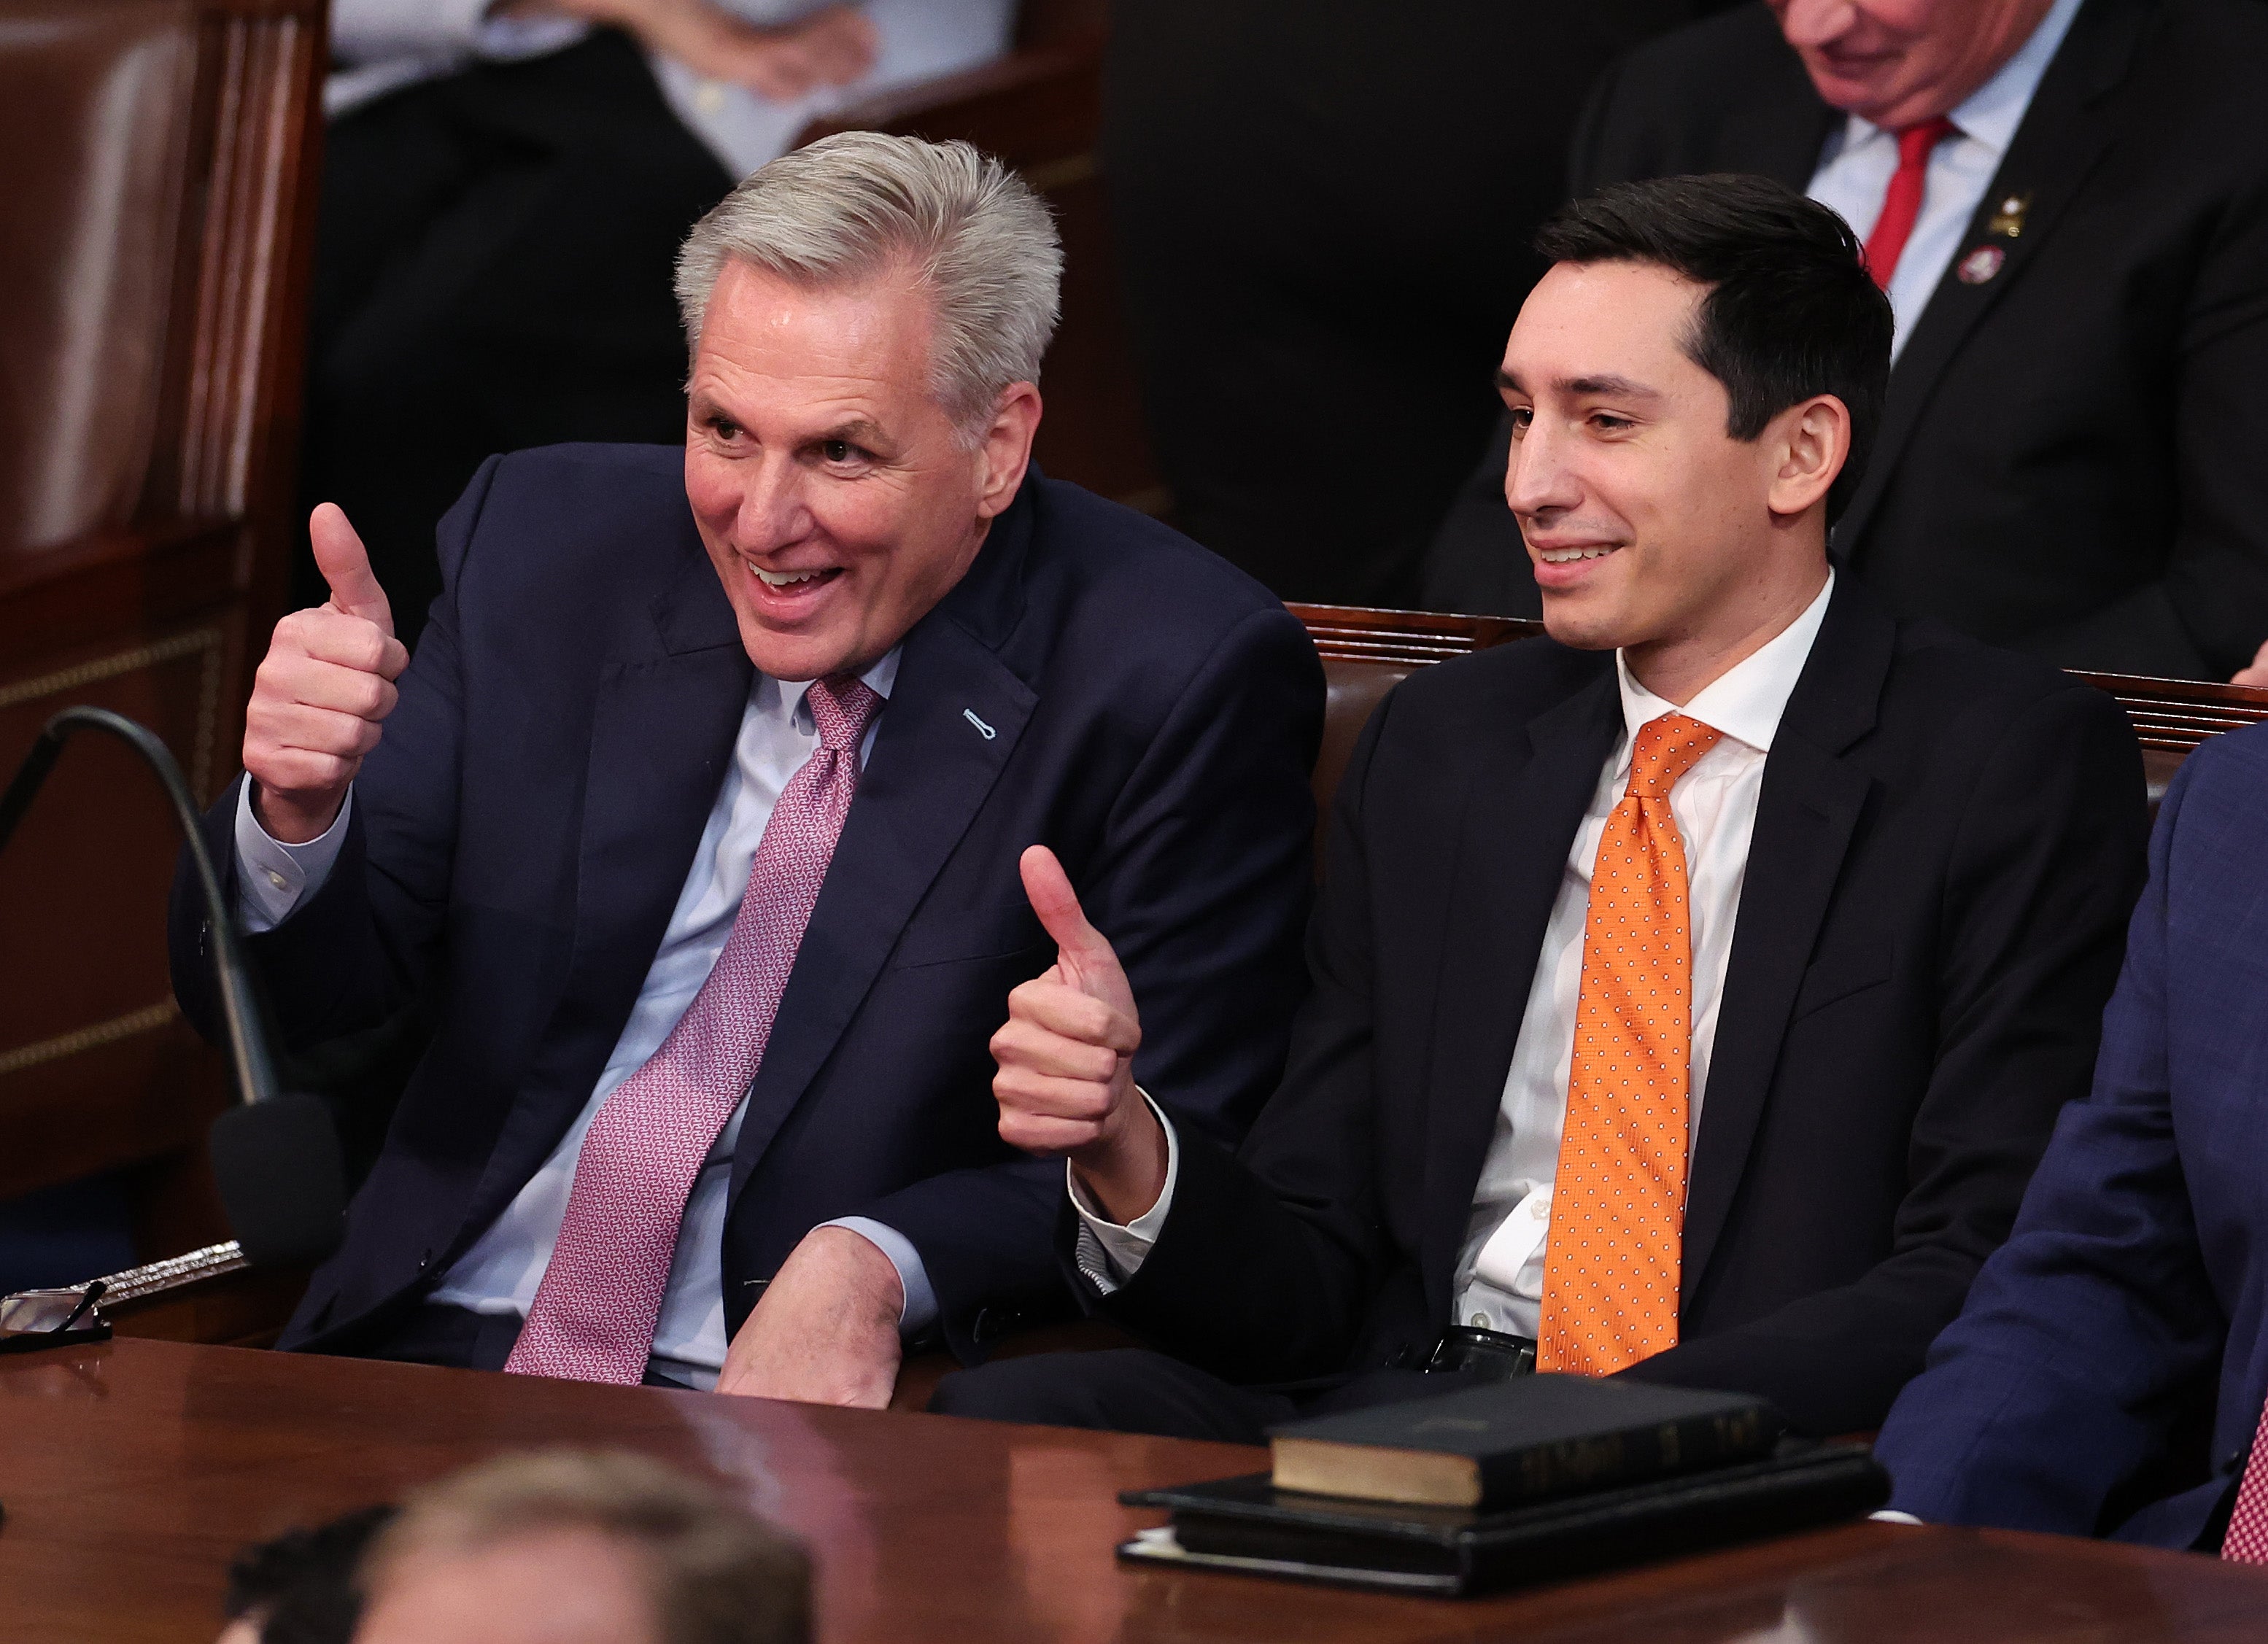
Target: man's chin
column 1581, row 621
column 795, row 656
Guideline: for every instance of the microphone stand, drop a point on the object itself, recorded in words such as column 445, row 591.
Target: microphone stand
column 248, row 1044
column 290, row 1131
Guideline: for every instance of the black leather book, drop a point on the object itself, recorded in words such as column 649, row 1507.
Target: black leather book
column 1246, row 1524
column 1524, row 1439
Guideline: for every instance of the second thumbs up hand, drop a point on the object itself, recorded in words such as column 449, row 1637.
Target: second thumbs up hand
column 322, row 691
column 1065, row 1084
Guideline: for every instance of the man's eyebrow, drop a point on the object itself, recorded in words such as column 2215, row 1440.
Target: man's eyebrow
column 858, row 431
column 1614, row 387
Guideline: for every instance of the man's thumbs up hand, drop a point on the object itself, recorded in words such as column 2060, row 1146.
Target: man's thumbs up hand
column 1084, row 959
column 345, row 565
column 322, row 691
column 1065, row 1084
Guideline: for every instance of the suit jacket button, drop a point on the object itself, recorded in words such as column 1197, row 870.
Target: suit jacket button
column 425, row 1261
column 987, row 1325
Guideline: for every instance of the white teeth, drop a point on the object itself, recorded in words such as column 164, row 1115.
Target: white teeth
column 782, row 579
column 1568, row 556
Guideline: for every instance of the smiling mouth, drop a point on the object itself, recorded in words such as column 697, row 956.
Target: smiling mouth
column 1568, row 556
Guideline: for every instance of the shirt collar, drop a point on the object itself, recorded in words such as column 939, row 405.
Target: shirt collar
column 1991, row 113
column 1746, row 701
column 783, row 699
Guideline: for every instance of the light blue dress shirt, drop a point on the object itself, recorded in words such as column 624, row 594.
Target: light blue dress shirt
column 1859, row 159
column 499, row 1274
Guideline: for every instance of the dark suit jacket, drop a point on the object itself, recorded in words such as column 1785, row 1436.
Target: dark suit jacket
column 1948, row 843
column 2138, row 1269
column 2071, row 460
column 522, row 833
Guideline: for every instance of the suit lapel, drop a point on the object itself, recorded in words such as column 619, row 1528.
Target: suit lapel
column 1517, row 823
column 2062, row 137
column 665, row 716
column 1810, row 804
column 927, row 776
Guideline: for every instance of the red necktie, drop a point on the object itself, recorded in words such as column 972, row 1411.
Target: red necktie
column 2247, row 1541
column 1901, row 201
column 594, row 1312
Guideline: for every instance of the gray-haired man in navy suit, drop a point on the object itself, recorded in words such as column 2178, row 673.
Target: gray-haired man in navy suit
column 697, row 816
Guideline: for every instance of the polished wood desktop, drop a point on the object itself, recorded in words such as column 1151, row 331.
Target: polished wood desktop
column 131, row 1471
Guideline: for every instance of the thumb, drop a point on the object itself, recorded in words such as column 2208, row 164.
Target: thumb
column 1084, row 955
column 345, row 564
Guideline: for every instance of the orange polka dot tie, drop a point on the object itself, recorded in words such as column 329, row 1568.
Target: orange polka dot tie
column 1610, row 1270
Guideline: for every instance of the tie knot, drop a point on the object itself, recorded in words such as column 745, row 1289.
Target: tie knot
column 1917, row 141
column 841, row 707
column 1665, row 749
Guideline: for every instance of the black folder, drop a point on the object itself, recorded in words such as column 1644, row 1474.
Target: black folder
column 1246, row 1524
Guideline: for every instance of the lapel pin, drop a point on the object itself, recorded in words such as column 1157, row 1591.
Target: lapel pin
column 2009, row 219
column 1980, row 264
column 983, row 729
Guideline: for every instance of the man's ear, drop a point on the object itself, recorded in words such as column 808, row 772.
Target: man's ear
column 1810, row 441
column 1005, row 448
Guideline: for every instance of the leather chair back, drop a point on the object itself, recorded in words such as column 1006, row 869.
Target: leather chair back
column 1366, row 653
column 156, row 230
column 95, row 107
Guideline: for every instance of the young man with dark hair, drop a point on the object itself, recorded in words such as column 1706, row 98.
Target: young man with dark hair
column 1749, row 933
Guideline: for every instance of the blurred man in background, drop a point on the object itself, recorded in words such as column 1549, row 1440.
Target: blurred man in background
column 504, row 187
column 569, row 1548
column 2066, row 201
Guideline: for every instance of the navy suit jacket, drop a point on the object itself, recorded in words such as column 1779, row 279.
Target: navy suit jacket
column 2138, row 1271
column 1947, row 842
column 1095, row 683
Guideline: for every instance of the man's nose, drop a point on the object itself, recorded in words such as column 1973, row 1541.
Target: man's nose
column 1538, row 479
column 772, row 512
column 1816, row 22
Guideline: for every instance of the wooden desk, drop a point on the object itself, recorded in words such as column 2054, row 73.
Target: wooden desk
column 131, row 1472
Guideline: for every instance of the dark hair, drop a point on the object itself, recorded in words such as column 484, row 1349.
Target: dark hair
column 1791, row 310
column 301, row 1586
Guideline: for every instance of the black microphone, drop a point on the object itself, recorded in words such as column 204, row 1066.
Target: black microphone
column 275, row 1157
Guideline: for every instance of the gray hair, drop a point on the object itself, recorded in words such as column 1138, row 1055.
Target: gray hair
column 717, row 1573
column 973, row 232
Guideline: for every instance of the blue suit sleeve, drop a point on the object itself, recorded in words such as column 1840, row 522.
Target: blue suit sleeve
column 2057, row 1381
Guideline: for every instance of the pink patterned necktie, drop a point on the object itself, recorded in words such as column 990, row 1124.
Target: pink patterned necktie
column 2247, row 1541
column 594, row 1312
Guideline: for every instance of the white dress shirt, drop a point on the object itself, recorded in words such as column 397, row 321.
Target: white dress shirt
column 500, row 1273
column 1856, row 166
column 1499, row 1283
column 387, row 44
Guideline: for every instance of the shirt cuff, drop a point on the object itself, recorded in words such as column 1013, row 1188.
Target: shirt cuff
column 1111, row 1255
column 920, row 1310
column 272, row 878
column 1891, row 1515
